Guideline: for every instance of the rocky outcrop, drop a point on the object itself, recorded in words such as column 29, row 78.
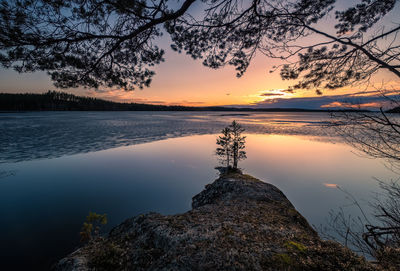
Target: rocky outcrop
column 237, row 223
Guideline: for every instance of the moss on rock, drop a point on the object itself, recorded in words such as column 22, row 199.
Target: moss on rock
column 237, row 223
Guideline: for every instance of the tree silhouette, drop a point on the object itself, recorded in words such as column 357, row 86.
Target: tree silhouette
column 225, row 150
column 113, row 42
column 91, row 227
column 375, row 134
column 378, row 238
column 231, row 145
column 85, row 42
column 238, row 143
column 232, row 34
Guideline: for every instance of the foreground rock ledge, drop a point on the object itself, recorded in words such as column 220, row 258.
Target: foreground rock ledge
column 237, row 223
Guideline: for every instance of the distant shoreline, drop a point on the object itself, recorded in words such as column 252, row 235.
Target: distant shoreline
column 60, row 102
column 272, row 110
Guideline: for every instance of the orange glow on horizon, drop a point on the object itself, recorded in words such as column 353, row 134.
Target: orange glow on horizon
column 182, row 81
column 355, row 106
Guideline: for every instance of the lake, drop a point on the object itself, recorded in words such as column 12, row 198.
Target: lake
column 55, row 167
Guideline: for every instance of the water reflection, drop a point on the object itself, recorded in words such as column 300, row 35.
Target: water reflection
column 42, row 207
column 38, row 135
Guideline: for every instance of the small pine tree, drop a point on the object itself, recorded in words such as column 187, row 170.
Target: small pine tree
column 231, row 144
column 225, row 142
column 238, row 143
column 93, row 222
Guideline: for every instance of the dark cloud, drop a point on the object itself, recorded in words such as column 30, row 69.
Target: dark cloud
column 366, row 99
column 268, row 94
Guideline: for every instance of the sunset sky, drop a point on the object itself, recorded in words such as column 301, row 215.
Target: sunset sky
column 184, row 81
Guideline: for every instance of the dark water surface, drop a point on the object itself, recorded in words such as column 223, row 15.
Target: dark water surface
column 56, row 167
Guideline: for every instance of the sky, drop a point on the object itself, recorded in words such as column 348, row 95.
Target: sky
column 180, row 80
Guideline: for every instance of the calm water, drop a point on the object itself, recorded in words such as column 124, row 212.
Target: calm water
column 56, row 167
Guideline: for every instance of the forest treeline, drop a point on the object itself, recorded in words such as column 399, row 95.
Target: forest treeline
column 60, row 101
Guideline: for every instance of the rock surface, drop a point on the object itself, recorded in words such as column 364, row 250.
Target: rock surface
column 237, row 223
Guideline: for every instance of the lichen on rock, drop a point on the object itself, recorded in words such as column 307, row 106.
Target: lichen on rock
column 237, row 223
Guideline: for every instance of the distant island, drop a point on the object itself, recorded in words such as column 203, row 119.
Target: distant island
column 60, row 101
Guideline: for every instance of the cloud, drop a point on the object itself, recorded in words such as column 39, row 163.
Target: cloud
column 331, row 185
column 364, row 99
column 269, row 94
column 355, row 106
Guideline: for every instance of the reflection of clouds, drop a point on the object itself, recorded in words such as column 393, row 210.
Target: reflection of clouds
column 331, row 185
column 327, row 138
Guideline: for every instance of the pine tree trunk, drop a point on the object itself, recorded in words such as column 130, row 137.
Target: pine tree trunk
column 235, row 155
